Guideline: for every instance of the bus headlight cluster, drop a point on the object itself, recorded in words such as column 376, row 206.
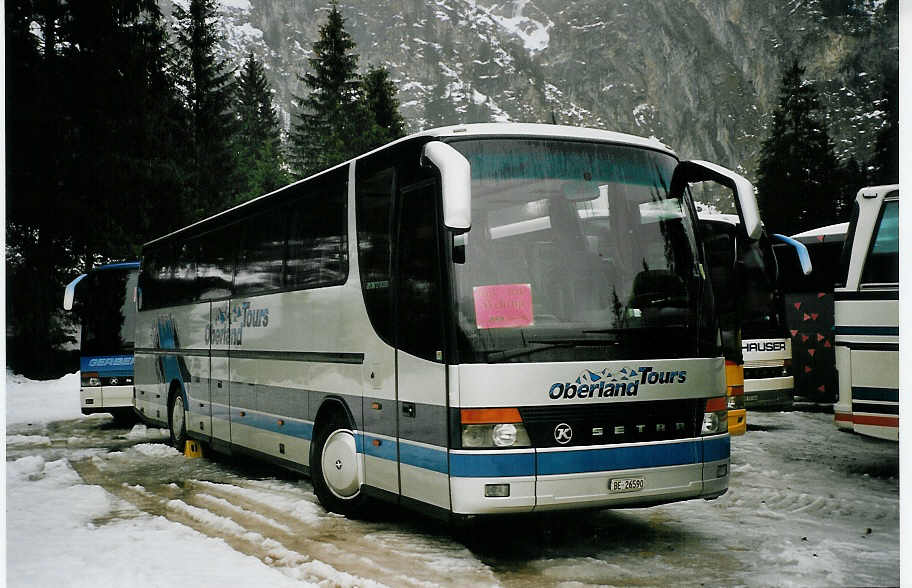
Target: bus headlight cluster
column 715, row 423
column 90, row 379
column 495, row 435
column 493, row 427
column 715, row 417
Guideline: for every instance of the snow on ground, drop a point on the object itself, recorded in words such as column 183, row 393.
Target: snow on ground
column 90, row 503
column 60, row 531
column 31, row 401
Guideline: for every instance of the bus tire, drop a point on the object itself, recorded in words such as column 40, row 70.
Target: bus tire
column 335, row 468
column 177, row 419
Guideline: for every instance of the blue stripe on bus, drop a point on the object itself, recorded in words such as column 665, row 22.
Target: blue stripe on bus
column 291, row 427
column 717, row 448
column 491, row 465
column 423, row 457
column 879, row 394
column 867, row 330
column 618, row 458
column 385, row 450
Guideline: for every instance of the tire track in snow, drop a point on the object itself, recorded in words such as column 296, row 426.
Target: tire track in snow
column 211, row 524
column 365, row 551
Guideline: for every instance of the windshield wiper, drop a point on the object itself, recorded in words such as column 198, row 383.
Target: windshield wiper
column 546, row 344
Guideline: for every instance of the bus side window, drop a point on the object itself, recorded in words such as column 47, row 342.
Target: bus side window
column 215, row 269
column 317, row 247
column 882, row 263
column 183, row 285
column 420, row 310
column 374, row 195
column 259, row 262
column 158, row 277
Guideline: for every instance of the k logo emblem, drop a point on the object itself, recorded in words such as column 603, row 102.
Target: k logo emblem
column 563, row 433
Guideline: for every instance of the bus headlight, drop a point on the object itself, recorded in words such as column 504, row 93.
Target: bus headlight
column 504, row 435
column 493, row 427
column 495, row 435
column 90, row 379
column 715, row 417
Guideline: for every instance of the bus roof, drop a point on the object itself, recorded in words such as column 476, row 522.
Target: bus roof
column 828, row 234
column 731, row 219
column 118, row 265
column 465, row 131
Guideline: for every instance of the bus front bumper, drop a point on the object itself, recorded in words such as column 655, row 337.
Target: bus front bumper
column 737, row 421
column 593, row 489
column 94, row 399
column 769, row 392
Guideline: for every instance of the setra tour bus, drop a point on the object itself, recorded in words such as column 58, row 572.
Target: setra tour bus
column 102, row 299
column 867, row 317
column 478, row 319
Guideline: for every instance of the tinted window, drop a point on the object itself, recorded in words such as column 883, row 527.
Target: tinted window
column 317, row 244
column 215, row 269
column 882, row 264
column 104, row 304
column 157, row 277
column 183, row 285
column 374, row 193
column 420, row 310
column 259, row 263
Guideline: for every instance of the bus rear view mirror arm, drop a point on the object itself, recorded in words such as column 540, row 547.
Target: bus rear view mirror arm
column 70, row 293
column 801, row 250
column 455, row 179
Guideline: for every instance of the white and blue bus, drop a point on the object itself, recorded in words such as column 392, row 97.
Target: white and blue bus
column 478, row 319
column 867, row 317
column 103, row 302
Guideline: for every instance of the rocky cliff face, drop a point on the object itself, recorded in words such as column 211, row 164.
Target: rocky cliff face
column 701, row 75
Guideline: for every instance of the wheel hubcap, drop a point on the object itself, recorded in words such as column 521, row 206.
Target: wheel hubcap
column 340, row 464
column 177, row 417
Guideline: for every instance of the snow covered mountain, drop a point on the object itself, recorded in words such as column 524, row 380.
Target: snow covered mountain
column 701, row 75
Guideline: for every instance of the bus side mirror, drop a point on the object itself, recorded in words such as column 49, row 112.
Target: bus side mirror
column 688, row 172
column 804, row 258
column 70, row 293
column 456, row 184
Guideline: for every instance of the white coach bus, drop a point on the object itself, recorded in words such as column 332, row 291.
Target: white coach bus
column 867, row 317
column 491, row 318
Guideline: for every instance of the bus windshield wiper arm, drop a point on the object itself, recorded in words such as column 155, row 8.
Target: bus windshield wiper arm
column 546, row 344
column 502, row 354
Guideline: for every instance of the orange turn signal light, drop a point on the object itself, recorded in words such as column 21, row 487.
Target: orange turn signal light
column 484, row 416
column 716, row 404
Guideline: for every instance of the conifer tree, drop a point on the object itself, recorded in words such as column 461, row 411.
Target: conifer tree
column 209, row 90
column 885, row 161
column 258, row 140
column 798, row 174
column 91, row 174
column 332, row 115
column 380, row 95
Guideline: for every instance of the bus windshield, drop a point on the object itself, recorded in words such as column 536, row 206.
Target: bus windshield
column 104, row 304
column 575, row 253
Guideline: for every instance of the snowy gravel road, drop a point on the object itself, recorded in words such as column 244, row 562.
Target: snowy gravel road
column 89, row 503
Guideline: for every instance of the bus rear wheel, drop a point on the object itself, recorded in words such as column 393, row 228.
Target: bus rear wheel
column 335, row 469
column 177, row 420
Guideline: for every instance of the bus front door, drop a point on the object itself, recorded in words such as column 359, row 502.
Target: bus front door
column 421, row 370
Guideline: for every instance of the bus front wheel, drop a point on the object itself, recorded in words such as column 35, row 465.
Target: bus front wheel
column 177, row 420
column 336, row 471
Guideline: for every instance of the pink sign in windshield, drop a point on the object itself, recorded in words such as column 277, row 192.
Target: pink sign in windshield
column 502, row 306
